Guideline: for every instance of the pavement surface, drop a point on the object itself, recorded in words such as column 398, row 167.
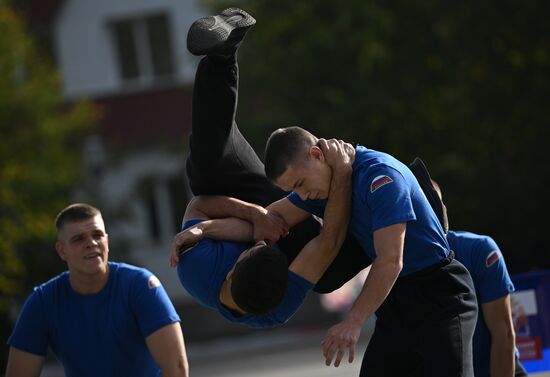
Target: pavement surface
column 282, row 353
column 285, row 352
column 288, row 354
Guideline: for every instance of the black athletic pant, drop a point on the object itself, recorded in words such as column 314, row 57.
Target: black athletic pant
column 425, row 326
column 222, row 162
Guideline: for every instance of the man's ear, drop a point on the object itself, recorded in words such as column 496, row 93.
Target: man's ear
column 60, row 251
column 316, row 153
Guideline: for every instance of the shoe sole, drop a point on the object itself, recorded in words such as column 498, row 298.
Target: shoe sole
column 208, row 33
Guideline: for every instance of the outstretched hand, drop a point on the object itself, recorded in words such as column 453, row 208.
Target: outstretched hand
column 338, row 154
column 340, row 337
column 183, row 241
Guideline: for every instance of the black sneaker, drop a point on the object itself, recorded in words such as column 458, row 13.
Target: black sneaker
column 219, row 35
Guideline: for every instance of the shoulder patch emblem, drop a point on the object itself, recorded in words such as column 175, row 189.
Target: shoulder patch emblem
column 492, row 258
column 153, row 282
column 379, row 181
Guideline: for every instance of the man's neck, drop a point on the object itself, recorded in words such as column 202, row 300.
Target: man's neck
column 88, row 285
column 227, row 300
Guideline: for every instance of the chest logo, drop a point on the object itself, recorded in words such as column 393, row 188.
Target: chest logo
column 379, row 181
column 153, row 282
column 492, row 258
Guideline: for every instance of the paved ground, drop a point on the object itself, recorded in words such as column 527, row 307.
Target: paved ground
column 306, row 362
column 292, row 354
column 284, row 353
column 288, row 353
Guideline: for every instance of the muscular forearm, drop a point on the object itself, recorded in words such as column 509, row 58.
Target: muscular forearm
column 228, row 229
column 388, row 243
column 498, row 317
column 23, row 364
column 337, row 211
column 502, row 356
column 215, row 206
column 168, row 349
column 379, row 283
column 180, row 369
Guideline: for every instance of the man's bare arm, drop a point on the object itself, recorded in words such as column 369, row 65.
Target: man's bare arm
column 23, row 364
column 385, row 269
column 168, row 349
column 388, row 243
column 217, row 206
column 288, row 211
column 228, row 229
column 267, row 226
column 498, row 317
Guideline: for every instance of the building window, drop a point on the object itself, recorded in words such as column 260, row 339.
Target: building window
column 143, row 48
column 165, row 200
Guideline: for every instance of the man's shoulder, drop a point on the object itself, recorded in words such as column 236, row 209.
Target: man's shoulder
column 126, row 268
column 56, row 282
column 371, row 163
column 472, row 241
column 45, row 296
column 477, row 252
column 129, row 273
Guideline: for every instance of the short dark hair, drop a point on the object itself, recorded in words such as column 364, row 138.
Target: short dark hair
column 259, row 281
column 75, row 213
column 285, row 147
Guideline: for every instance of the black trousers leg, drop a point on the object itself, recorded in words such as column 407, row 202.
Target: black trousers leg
column 222, row 162
column 427, row 321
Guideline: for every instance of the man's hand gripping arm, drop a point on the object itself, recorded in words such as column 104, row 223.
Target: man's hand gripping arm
column 226, row 219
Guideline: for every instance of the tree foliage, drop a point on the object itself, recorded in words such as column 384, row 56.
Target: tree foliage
column 463, row 85
column 40, row 162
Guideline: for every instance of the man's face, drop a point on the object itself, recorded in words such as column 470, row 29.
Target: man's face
column 84, row 245
column 310, row 179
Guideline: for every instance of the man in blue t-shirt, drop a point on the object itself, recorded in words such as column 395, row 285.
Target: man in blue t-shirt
column 423, row 298
column 99, row 318
column 246, row 282
column 494, row 338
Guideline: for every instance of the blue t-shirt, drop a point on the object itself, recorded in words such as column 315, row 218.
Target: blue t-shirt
column 202, row 271
column 97, row 335
column 385, row 192
column 482, row 257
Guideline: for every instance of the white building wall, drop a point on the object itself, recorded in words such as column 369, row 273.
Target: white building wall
column 84, row 50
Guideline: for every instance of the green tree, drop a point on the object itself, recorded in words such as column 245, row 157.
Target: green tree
column 40, row 163
column 463, row 85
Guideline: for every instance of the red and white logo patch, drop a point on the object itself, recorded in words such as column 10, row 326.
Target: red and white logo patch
column 379, row 181
column 492, row 258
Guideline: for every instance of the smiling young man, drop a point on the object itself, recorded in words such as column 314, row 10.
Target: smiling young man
column 424, row 300
column 99, row 318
